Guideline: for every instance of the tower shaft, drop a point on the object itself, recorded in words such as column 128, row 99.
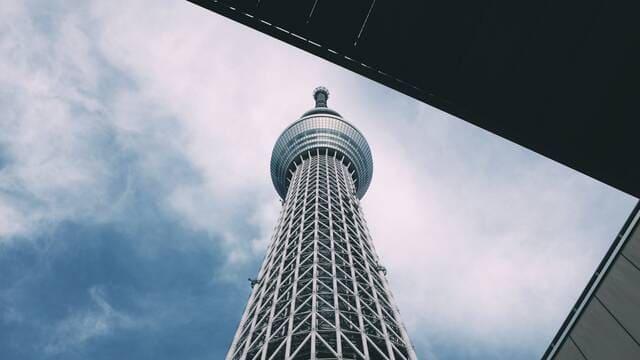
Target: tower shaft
column 321, row 293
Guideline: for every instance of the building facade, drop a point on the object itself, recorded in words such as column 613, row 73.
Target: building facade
column 321, row 292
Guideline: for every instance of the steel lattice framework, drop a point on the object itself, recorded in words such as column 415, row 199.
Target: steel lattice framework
column 321, row 292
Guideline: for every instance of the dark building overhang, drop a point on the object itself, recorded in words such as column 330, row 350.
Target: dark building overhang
column 559, row 78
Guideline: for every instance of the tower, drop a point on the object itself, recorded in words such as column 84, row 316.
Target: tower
column 321, row 292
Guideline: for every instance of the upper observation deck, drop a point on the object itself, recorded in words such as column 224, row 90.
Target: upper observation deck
column 321, row 128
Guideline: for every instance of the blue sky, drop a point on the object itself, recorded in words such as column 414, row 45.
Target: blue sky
column 135, row 196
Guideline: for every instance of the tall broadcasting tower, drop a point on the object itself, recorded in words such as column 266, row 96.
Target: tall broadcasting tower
column 321, row 292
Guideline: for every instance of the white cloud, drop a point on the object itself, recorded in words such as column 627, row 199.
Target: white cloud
column 231, row 106
column 76, row 330
column 487, row 244
column 50, row 173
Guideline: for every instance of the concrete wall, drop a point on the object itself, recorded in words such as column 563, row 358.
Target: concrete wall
column 609, row 326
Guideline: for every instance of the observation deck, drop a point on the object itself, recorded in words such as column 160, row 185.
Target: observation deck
column 324, row 129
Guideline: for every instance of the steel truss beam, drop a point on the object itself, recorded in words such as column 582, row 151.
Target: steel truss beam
column 322, row 293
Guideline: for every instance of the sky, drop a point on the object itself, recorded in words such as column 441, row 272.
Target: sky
column 135, row 196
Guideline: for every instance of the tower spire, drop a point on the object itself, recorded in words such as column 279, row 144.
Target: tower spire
column 321, row 95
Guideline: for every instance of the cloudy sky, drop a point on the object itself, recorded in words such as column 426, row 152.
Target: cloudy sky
column 135, row 197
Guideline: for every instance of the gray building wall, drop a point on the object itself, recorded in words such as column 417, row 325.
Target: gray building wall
column 608, row 325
